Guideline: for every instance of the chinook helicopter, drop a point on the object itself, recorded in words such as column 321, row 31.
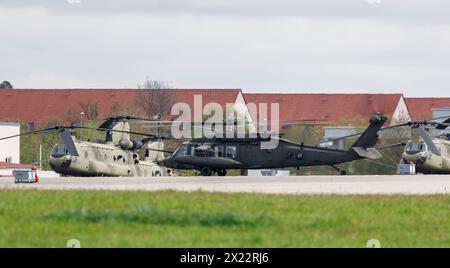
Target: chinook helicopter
column 116, row 155
column 217, row 155
column 431, row 155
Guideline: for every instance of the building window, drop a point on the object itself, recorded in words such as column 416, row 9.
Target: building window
column 8, row 159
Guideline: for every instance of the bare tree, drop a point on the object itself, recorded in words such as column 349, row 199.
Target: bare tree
column 118, row 108
column 155, row 98
column 90, row 109
column 6, row 84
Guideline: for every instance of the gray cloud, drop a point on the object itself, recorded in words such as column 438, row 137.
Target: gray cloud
column 408, row 10
column 289, row 46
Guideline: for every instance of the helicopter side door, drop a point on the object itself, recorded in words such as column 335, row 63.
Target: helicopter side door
column 229, row 151
column 249, row 154
column 220, row 151
column 445, row 157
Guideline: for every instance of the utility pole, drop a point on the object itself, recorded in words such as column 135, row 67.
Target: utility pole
column 40, row 156
column 81, row 123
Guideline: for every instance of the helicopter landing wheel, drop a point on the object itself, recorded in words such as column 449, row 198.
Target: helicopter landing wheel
column 222, row 172
column 206, row 171
column 341, row 172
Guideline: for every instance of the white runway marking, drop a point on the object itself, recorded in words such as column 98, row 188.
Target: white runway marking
column 419, row 184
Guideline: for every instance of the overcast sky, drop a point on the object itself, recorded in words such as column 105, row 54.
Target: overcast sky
column 258, row 45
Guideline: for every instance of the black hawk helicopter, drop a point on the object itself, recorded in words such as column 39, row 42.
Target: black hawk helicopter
column 217, row 155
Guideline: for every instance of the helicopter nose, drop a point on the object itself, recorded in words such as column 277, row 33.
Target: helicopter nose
column 415, row 158
column 166, row 162
column 60, row 162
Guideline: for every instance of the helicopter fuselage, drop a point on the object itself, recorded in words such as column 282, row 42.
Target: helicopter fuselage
column 97, row 159
column 427, row 162
column 219, row 154
column 250, row 156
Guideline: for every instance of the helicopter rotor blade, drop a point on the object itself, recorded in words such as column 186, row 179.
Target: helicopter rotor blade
column 31, row 132
column 159, row 150
column 347, row 136
column 108, row 124
column 129, row 117
column 443, row 125
column 140, row 143
column 110, row 121
column 229, row 123
column 421, row 122
column 39, row 162
column 124, row 131
column 393, row 145
column 81, row 127
column 66, row 137
column 428, row 140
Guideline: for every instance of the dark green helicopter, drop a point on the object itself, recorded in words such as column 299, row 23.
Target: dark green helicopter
column 217, row 155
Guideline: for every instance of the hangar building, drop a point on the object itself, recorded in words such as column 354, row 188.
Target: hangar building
column 9, row 149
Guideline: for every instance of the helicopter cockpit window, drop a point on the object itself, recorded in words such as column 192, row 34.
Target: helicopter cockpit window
column 59, row 150
column 414, row 148
column 231, row 151
column 183, row 150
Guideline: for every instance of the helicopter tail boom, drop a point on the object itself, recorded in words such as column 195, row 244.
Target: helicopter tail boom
column 369, row 137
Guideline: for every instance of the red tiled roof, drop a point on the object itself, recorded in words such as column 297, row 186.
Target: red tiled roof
column 328, row 107
column 4, row 165
column 36, row 105
column 421, row 108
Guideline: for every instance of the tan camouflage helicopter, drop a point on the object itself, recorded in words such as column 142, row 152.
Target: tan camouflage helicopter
column 431, row 155
column 117, row 155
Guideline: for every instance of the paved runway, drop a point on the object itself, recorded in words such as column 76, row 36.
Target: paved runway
column 419, row 184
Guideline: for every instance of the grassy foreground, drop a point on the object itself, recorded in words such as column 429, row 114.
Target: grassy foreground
column 174, row 219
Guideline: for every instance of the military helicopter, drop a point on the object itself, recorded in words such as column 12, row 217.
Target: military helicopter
column 431, row 155
column 216, row 155
column 116, row 155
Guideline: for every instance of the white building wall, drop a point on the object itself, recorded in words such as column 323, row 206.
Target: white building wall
column 10, row 147
column 6, row 172
column 241, row 108
column 401, row 113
